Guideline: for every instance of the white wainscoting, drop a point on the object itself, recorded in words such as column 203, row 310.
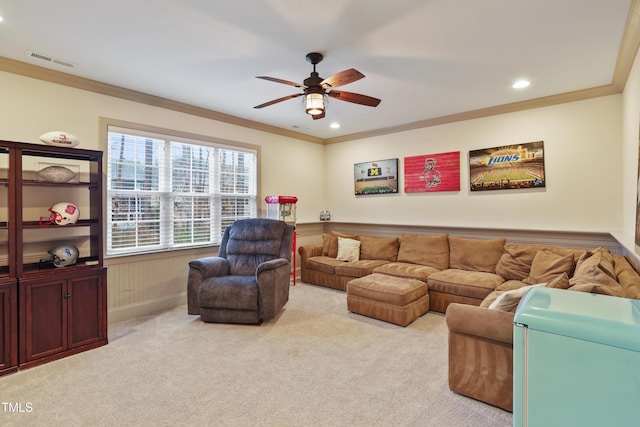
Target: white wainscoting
column 144, row 285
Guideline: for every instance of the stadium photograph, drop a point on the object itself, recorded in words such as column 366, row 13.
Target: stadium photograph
column 378, row 177
column 507, row 167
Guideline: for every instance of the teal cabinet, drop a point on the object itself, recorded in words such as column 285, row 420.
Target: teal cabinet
column 576, row 360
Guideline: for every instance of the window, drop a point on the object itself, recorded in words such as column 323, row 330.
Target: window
column 167, row 193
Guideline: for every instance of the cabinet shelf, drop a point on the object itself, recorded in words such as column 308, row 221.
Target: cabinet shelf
column 79, row 223
column 32, row 182
column 40, row 269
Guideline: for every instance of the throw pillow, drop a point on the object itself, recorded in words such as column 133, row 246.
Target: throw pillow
column 560, row 282
column 332, row 247
column 515, row 262
column 326, row 244
column 509, row 300
column 475, row 254
column 432, row 251
column 489, row 299
column 596, row 269
column 379, row 248
column 547, row 265
column 348, row 249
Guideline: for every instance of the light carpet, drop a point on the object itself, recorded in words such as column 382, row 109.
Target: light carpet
column 314, row 365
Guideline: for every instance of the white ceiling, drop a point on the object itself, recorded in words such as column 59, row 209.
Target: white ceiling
column 423, row 58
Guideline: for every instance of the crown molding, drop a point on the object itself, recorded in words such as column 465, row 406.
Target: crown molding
column 628, row 47
column 546, row 101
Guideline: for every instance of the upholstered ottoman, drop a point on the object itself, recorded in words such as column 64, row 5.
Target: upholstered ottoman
column 392, row 299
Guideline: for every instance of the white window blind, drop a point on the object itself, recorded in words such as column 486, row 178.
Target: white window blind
column 164, row 193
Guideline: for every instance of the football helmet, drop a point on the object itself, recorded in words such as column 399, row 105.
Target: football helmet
column 62, row 213
column 63, row 255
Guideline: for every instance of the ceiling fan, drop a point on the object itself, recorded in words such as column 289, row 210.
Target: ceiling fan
column 316, row 89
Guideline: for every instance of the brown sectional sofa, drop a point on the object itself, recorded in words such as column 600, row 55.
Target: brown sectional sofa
column 455, row 269
column 478, row 284
column 481, row 339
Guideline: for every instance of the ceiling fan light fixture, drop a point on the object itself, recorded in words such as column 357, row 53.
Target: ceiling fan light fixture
column 315, row 103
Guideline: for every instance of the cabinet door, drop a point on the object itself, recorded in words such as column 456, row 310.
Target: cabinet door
column 87, row 317
column 43, row 330
column 8, row 327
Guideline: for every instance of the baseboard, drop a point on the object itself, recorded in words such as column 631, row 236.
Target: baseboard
column 146, row 308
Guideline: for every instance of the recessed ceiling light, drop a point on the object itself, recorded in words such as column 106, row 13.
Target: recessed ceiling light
column 334, row 125
column 520, row 84
column 1, row 19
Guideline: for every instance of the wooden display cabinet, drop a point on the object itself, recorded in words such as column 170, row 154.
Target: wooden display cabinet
column 8, row 282
column 8, row 327
column 62, row 314
column 60, row 310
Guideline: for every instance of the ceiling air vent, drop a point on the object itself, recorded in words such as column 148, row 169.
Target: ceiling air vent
column 50, row 59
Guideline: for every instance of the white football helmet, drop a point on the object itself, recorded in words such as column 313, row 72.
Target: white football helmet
column 63, row 255
column 62, row 213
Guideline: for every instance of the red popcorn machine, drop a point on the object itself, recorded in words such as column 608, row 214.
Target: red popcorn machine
column 283, row 208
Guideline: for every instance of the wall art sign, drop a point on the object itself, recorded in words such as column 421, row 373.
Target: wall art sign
column 377, row 177
column 508, row 167
column 432, row 172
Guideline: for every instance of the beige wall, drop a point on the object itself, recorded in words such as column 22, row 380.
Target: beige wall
column 582, row 162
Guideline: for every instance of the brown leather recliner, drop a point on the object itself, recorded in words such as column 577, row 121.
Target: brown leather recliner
column 249, row 280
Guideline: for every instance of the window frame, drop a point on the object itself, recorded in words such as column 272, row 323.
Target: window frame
column 218, row 222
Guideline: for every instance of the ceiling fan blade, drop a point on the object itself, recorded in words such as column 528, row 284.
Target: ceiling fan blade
column 318, row 116
column 275, row 101
column 286, row 82
column 356, row 98
column 342, row 78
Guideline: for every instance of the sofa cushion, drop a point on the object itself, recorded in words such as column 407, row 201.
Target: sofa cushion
column 425, row 250
column 348, row 249
column 359, row 268
column 489, row 299
column 475, row 254
column 406, row 270
column 627, row 277
column 507, row 285
column 509, row 300
column 596, row 268
column 515, row 262
column 601, row 258
column 501, row 289
column 560, row 282
column 324, row 264
column 326, row 244
column 330, row 243
column 472, row 284
column 547, row 266
column 385, row 248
